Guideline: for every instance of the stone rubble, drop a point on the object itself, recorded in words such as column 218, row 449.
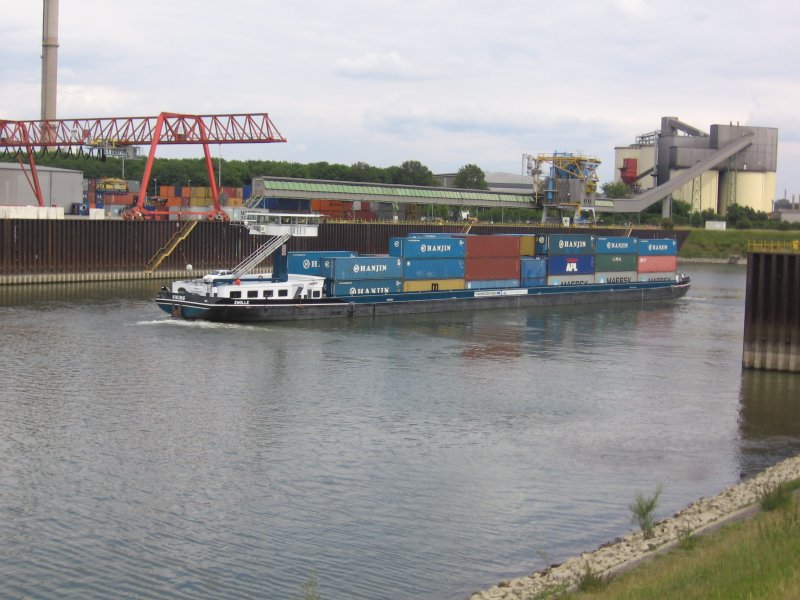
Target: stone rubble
column 733, row 501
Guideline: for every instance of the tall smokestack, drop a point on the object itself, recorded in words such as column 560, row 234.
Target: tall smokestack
column 49, row 59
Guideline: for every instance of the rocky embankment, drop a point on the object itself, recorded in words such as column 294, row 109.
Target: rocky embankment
column 623, row 553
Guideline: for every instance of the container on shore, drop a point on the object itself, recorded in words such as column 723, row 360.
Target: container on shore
column 664, row 247
column 657, row 264
column 616, row 277
column 438, row 247
column 581, row 264
column 616, row 245
column 616, row 262
column 657, row 276
column 311, row 263
column 492, row 284
column 344, row 268
column 433, row 285
column 570, row 279
column 491, row 268
column 492, row 246
column 433, row 268
column 364, row 287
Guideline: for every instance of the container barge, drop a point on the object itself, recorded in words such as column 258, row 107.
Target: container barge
column 426, row 272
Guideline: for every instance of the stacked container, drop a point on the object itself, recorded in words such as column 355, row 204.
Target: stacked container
column 431, row 263
column 658, row 260
column 492, row 261
column 311, row 263
column 362, row 275
column 571, row 259
column 616, row 260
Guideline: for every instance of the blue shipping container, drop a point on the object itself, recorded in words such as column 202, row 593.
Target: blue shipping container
column 570, row 265
column 570, row 244
column 665, row 247
column 311, row 263
column 438, row 247
column 433, row 268
column 533, row 282
column 533, row 268
column 616, row 245
column 343, row 268
column 492, row 284
column 364, row 287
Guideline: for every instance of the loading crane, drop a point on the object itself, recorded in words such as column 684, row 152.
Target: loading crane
column 124, row 134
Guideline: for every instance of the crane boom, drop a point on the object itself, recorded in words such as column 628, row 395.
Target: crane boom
column 166, row 128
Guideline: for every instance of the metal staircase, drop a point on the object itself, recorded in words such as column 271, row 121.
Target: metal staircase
column 181, row 234
column 261, row 254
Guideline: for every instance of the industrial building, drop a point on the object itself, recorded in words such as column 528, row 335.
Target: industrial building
column 731, row 164
column 60, row 187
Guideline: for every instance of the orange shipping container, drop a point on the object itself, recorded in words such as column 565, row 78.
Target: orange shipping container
column 658, row 264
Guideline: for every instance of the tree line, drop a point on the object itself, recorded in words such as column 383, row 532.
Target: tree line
column 238, row 173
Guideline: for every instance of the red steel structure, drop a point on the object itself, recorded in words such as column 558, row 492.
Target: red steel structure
column 121, row 132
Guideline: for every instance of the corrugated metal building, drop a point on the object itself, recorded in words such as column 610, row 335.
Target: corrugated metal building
column 748, row 178
column 60, row 187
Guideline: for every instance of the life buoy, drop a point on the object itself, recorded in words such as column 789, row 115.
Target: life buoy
column 238, row 282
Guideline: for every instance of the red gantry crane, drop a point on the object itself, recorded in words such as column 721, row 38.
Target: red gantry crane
column 125, row 132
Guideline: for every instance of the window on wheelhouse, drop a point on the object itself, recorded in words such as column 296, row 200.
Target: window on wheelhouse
column 267, row 293
column 283, row 293
column 236, row 295
column 252, row 293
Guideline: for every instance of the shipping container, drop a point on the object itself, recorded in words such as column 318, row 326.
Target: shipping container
column 533, row 268
column 665, row 247
column 311, row 263
column 657, row 264
column 433, row 285
column 436, row 234
column 540, row 245
column 491, row 268
column 486, row 284
column 527, row 245
column 615, row 276
column 616, row 262
column 363, row 287
column 440, row 247
column 657, row 276
column 571, row 244
column 343, row 268
column 570, row 279
column 433, row 268
column 534, row 282
column 492, row 246
column 570, row 265
column 616, row 245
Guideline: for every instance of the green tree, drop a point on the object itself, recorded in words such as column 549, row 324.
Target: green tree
column 616, row 189
column 470, row 177
column 413, row 172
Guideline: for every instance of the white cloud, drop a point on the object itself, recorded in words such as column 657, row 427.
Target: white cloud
column 444, row 82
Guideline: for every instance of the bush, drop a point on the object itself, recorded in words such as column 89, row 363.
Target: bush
column 643, row 508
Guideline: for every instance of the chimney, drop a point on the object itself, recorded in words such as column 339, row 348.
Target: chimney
column 49, row 59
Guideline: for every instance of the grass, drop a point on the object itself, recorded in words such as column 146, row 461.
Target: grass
column 752, row 559
column 703, row 243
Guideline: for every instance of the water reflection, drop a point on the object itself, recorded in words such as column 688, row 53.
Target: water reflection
column 769, row 418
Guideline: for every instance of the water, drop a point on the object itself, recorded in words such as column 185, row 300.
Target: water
column 411, row 457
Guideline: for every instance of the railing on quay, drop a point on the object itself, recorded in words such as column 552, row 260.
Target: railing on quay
column 774, row 246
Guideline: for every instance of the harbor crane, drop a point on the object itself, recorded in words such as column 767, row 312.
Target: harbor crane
column 121, row 136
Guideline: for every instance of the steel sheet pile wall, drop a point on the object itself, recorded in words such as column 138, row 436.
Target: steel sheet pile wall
column 79, row 246
column 772, row 312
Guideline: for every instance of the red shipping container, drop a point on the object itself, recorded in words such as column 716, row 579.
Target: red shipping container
column 658, row 264
column 477, row 269
column 491, row 246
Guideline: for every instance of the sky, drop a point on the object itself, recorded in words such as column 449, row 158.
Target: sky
column 442, row 82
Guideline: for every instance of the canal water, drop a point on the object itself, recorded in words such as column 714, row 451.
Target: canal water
column 408, row 457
